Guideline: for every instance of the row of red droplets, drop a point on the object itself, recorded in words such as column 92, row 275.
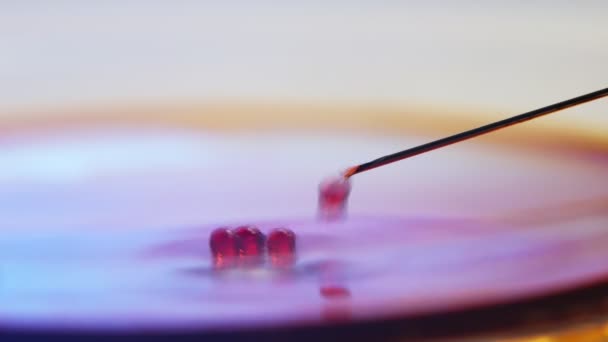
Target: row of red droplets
column 247, row 246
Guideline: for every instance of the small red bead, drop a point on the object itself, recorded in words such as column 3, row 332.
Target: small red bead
column 282, row 247
column 223, row 248
column 250, row 243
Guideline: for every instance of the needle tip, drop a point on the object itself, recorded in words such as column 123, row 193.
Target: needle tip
column 350, row 171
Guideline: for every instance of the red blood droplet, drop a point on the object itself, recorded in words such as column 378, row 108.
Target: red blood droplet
column 250, row 243
column 282, row 247
column 223, row 248
column 333, row 196
column 334, row 191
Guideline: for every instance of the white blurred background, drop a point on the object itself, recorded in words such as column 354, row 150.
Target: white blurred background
column 489, row 59
column 505, row 57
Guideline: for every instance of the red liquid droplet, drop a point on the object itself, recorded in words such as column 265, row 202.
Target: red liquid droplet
column 250, row 243
column 334, row 292
column 282, row 247
column 338, row 307
column 223, row 248
column 333, row 196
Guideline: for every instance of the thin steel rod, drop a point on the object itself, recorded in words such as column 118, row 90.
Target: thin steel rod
column 391, row 158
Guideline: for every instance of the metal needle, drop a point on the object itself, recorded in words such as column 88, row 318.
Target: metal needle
column 391, row 158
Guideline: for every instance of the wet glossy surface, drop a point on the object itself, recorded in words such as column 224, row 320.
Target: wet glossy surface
column 110, row 230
